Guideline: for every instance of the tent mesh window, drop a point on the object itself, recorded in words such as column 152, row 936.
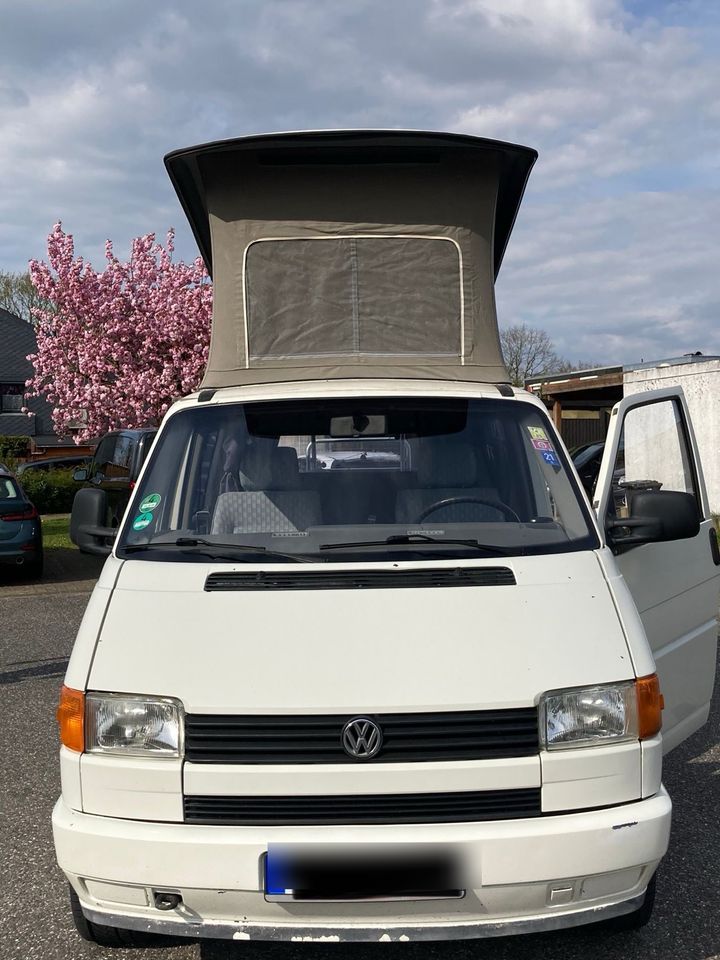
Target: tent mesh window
column 370, row 296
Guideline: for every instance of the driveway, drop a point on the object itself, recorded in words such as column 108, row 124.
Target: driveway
column 66, row 571
column 37, row 627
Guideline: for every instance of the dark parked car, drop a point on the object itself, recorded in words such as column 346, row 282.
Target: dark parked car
column 587, row 460
column 20, row 529
column 53, row 463
column 107, row 481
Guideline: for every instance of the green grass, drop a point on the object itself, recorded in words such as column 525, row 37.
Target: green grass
column 56, row 531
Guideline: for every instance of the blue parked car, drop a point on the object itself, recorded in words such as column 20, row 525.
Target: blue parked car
column 20, row 529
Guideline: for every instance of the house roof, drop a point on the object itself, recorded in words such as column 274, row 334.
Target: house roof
column 17, row 340
column 687, row 358
column 588, row 373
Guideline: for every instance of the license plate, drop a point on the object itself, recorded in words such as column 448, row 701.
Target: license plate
column 332, row 873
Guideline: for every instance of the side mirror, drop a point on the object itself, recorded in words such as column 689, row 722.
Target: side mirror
column 656, row 516
column 87, row 522
column 80, row 474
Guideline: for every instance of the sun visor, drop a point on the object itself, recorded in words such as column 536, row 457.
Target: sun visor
column 352, row 254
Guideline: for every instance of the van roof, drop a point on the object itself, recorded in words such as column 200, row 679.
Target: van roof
column 183, row 167
column 353, row 253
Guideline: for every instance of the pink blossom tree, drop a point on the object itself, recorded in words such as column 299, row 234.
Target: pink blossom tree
column 117, row 347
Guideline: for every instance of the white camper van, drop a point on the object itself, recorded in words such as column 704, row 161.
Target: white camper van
column 365, row 662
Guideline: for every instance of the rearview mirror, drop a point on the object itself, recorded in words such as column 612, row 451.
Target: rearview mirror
column 358, row 425
column 656, row 516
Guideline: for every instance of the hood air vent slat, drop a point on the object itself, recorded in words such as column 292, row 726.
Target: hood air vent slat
column 361, row 579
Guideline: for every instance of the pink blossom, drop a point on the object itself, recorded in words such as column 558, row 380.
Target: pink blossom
column 117, row 347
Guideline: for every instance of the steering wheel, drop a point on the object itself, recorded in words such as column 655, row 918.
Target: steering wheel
column 450, row 501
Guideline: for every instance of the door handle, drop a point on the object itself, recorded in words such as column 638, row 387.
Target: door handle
column 714, row 547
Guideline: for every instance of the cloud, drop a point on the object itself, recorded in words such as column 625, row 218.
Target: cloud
column 618, row 279
column 644, row 102
column 613, row 252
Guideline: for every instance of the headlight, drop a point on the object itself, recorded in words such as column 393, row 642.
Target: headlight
column 589, row 716
column 133, row 725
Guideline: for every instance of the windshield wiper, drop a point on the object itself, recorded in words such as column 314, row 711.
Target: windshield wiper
column 210, row 548
column 418, row 539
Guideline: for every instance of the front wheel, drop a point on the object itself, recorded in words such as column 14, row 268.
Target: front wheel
column 107, row 936
column 638, row 918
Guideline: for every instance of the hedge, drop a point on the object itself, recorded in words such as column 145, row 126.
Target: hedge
column 52, row 491
column 14, row 448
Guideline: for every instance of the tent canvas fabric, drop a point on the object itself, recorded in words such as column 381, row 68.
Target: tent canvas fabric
column 353, row 255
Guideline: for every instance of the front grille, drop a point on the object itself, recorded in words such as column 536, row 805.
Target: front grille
column 462, row 807
column 407, row 737
column 361, row 579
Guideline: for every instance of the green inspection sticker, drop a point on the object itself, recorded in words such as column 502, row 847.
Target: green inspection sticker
column 150, row 502
column 142, row 520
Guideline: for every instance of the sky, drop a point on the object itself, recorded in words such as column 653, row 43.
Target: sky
column 616, row 251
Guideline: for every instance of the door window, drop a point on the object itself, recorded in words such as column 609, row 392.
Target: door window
column 113, row 458
column 103, row 457
column 122, row 458
column 653, row 454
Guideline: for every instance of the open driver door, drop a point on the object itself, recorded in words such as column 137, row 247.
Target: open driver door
column 667, row 550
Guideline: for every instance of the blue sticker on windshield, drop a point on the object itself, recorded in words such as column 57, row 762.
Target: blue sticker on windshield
column 549, row 457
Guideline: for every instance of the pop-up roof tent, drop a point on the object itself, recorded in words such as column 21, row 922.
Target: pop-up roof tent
column 352, row 253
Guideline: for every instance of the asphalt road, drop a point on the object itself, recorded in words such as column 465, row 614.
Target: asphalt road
column 37, row 628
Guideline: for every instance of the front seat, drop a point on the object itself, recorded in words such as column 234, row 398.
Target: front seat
column 270, row 500
column 447, row 469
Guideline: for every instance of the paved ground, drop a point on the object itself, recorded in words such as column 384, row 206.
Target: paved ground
column 66, row 570
column 37, row 627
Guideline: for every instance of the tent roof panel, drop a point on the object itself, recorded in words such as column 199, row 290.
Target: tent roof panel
column 350, row 146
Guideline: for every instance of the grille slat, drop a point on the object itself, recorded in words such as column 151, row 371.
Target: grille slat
column 361, row 579
column 255, row 723
column 416, row 737
column 463, row 807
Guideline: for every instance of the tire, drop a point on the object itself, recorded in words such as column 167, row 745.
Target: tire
column 638, row 918
column 107, row 936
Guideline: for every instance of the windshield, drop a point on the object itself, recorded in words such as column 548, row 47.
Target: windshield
column 588, row 454
column 346, row 479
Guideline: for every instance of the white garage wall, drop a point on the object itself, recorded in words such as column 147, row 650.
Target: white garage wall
column 700, row 380
column 654, row 447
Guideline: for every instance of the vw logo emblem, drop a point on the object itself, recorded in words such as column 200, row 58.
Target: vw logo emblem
column 361, row 738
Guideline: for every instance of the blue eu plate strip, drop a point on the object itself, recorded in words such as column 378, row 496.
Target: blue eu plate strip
column 276, row 873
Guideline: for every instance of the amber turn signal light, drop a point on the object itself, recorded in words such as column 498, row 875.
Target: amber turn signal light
column 650, row 706
column 71, row 719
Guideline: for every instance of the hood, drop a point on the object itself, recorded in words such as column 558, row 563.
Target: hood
column 352, row 253
column 363, row 650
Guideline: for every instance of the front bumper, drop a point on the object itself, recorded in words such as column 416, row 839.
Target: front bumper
column 525, row 875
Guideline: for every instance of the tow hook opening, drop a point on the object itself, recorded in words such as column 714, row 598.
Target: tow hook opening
column 165, row 900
